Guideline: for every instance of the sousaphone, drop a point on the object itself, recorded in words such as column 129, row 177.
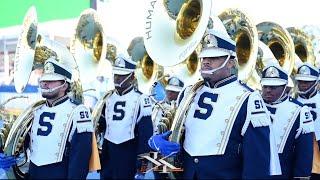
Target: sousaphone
column 89, row 45
column 147, row 71
column 303, row 47
column 280, row 43
column 32, row 51
column 243, row 31
column 252, row 54
column 170, row 35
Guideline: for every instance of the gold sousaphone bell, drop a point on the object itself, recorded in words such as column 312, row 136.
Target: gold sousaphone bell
column 147, row 70
column 253, row 55
column 243, row 31
column 303, row 47
column 280, row 43
column 89, row 45
column 170, row 41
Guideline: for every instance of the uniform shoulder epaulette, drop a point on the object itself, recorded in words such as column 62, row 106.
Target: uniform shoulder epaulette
column 83, row 119
column 75, row 101
column 306, row 122
column 295, row 101
column 245, row 86
column 146, row 101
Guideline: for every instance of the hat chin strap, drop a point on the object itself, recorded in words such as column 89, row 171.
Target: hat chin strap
column 52, row 89
column 216, row 69
column 308, row 90
column 123, row 81
column 280, row 97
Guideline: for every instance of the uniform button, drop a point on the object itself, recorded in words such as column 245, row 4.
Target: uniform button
column 196, row 160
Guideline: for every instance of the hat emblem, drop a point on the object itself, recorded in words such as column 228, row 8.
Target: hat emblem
column 304, row 70
column 120, row 62
column 174, row 82
column 272, row 72
column 48, row 68
column 210, row 41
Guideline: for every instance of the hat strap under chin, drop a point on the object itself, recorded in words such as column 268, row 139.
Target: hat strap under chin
column 216, row 69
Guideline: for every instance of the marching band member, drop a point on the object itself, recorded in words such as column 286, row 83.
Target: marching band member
column 227, row 128
column 291, row 122
column 126, row 123
column 60, row 138
column 306, row 78
column 172, row 90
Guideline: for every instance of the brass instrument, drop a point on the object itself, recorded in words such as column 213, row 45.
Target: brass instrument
column 170, row 41
column 167, row 112
column 32, row 51
column 8, row 118
column 243, row 31
column 280, row 43
column 89, row 45
column 303, row 47
column 252, row 54
column 96, row 113
column 147, row 70
column 174, row 35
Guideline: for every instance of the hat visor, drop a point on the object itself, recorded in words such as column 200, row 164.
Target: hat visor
column 121, row 71
column 306, row 78
column 51, row 77
column 173, row 88
column 213, row 52
column 273, row 82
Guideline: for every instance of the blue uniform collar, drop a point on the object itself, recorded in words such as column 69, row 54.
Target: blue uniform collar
column 222, row 82
column 58, row 101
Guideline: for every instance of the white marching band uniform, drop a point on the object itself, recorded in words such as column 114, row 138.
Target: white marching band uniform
column 127, row 126
column 292, row 125
column 311, row 98
column 60, row 138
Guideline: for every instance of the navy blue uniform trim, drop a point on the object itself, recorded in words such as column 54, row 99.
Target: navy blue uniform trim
column 258, row 112
column 84, row 121
column 295, row 101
